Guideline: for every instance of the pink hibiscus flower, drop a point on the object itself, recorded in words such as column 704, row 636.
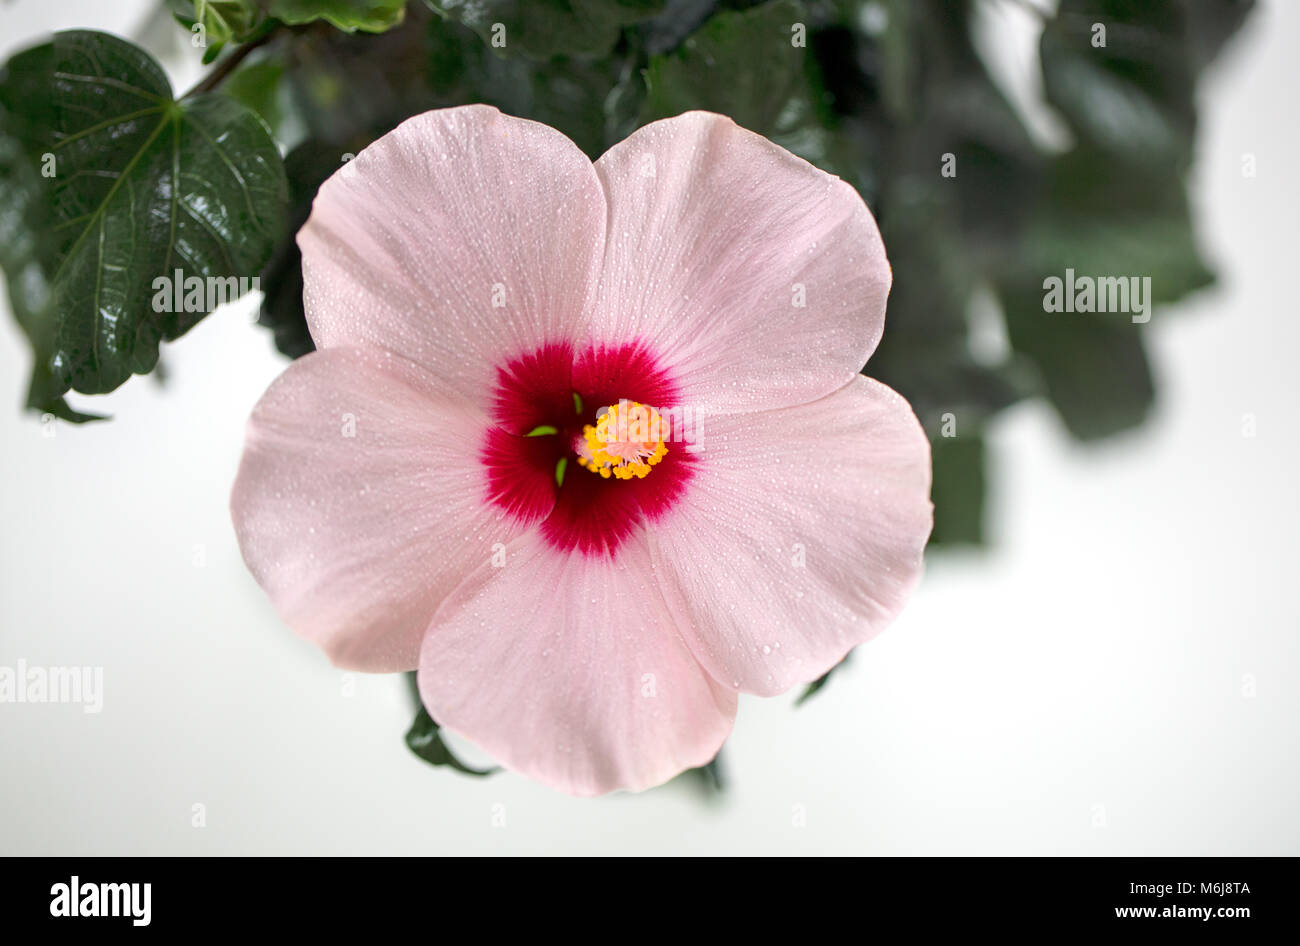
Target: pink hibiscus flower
column 586, row 445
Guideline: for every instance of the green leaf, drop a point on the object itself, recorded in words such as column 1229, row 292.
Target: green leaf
column 1100, row 220
column 1210, row 24
column 817, row 685
column 1094, row 368
column 740, row 64
column 143, row 185
column 425, row 740
column 24, row 213
column 306, row 167
column 708, row 778
column 1131, row 92
column 666, row 30
column 744, row 65
column 1099, row 216
column 812, row 689
column 958, row 489
column 258, row 86
column 349, row 86
column 370, row 16
column 1132, row 97
column 540, row 29
column 594, row 102
column 222, row 22
column 226, row 20
column 925, row 353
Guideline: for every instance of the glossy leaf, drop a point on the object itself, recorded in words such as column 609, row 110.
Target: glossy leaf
column 24, row 215
column 142, row 185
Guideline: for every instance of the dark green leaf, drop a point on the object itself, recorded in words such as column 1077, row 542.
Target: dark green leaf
column 925, row 353
column 1094, row 367
column 666, row 30
column 592, row 101
column 143, row 185
column 1100, row 221
column 425, row 740
column 1130, row 91
column 958, row 489
column 745, row 65
column 258, row 86
column 540, row 29
column 1132, row 97
column 353, row 87
column 306, row 167
column 23, row 221
column 815, row 687
column 1210, row 24
column 709, row 778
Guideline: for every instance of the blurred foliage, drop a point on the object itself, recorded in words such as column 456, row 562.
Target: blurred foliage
column 542, row 29
column 709, row 779
column 888, row 94
column 242, row 21
column 816, row 686
column 880, row 92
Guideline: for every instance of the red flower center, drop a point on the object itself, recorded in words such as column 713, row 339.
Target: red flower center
column 539, row 467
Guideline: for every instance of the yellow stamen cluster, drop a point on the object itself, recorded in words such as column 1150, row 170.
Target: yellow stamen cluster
column 626, row 441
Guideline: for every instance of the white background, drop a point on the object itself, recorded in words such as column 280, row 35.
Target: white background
column 1082, row 689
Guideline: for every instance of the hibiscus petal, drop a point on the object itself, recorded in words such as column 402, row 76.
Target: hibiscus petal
column 461, row 239
column 568, row 669
column 715, row 237
column 800, row 536
column 360, row 503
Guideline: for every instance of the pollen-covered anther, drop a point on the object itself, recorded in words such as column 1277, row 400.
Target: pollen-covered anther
column 627, row 440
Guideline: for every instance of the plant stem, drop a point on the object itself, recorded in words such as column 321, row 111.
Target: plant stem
column 228, row 65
